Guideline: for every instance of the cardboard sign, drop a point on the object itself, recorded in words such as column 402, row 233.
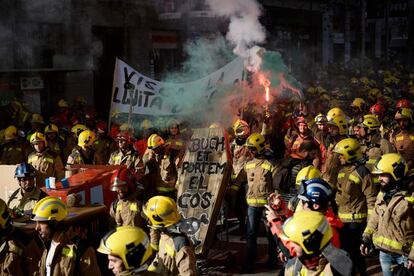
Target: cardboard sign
column 203, row 177
column 9, row 183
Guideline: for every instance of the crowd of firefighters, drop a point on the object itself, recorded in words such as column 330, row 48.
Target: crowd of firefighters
column 329, row 176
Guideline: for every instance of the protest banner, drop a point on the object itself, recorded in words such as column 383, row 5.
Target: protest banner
column 151, row 97
column 203, row 178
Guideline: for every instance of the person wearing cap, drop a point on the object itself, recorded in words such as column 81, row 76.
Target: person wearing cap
column 60, row 256
column 390, row 226
column 46, row 162
column 310, row 235
column 14, row 150
column 19, row 252
column 128, row 249
column 28, row 194
column 160, row 167
column 176, row 254
column 126, row 154
column 104, row 145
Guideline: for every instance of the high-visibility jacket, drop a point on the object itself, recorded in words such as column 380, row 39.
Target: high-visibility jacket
column 47, row 164
column 129, row 158
column 19, row 255
column 27, row 201
column 160, row 171
column 14, row 152
column 356, row 194
column 404, row 143
column 127, row 212
column 65, row 261
column 175, row 256
column 259, row 174
column 391, row 225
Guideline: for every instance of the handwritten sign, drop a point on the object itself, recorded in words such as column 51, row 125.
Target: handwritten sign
column 203, row 178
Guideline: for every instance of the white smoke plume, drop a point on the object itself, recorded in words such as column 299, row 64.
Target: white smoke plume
column 245, row 30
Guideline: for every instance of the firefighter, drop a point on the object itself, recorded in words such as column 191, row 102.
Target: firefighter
column 259, row 173
column 45, row 162
column 338, row 130
column 175, row 143
column 321, row 131
column 390, row 227
column 83, row 152
column 25, row 198
column 126, row 209
column 55, row 143
column 19, row 253
column 355, row 198
column 403, row 139
column 14, row 150
column 359, row 108
column 104, row 145
column 60, row 256
column 160, row 165
column 126, row 155
column 176, row 253
column 372, row 144
column 311, row 236
column 37, row 124
column 240, row 155
column 128, row 251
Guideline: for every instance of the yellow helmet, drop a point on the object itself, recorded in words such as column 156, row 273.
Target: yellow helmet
column 371, row 122
column 78, row 128
column 154, row 141
column 86, row 138
column 320, row 119
column 10, row 133
column 5, row 218
column 334, row 112
column 374, row 93
column 404, row 113
column 124, row 127
column 49, row 209
column 341, row 123
column 392, row 163
column 354, row 80
column 37, row 119
column 62, row 103
column 256, row 140
column 350, row 149
column 161, row 211
column 308, row 172
column 37, row 137
column 130, row 244
column 308, row 229
column 51, row 128
column 241, row 128
column 146, row 124
column 359, row 103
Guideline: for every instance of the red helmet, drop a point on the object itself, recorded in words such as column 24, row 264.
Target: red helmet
column 91, row 115
column 101, row 126
column 403, row 103
column 377, row 109
column 123, row 178
column 74, row 120
column 125, row 135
